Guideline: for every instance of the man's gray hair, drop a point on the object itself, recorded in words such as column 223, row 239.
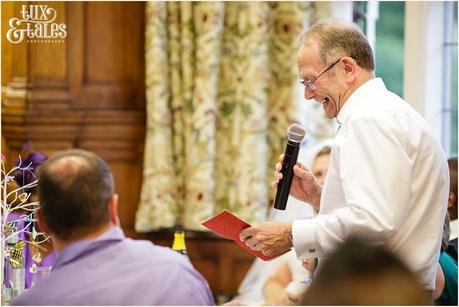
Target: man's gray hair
column 337, row 38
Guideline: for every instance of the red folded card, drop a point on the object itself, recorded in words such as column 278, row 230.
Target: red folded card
column 229, row 226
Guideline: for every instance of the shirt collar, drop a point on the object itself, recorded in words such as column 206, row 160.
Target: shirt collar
column 368, row 89
column 81, row 248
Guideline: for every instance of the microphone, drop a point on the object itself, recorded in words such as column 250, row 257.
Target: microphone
column 295, row 135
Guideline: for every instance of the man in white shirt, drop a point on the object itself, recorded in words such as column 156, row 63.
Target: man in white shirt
column 388, row 179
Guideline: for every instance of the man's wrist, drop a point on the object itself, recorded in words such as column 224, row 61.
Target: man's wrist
column 286, row 236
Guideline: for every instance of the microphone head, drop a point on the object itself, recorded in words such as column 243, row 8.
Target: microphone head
column 295, row 133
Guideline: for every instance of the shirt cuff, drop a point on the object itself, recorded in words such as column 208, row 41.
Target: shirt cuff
column 304, row 239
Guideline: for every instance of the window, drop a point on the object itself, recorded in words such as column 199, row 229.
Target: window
column 389, row 46
column 449, row 110
column 415, row 50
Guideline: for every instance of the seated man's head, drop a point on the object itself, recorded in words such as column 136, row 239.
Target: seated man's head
column 358, row 273
column 76, row 194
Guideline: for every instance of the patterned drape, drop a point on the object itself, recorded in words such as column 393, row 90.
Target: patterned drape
column 220, row 89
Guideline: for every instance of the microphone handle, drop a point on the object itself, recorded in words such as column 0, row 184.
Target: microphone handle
column 283, row 187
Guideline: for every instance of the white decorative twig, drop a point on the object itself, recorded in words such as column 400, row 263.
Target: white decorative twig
column 17, row 200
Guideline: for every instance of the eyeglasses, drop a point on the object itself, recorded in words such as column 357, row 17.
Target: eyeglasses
column 310, row 83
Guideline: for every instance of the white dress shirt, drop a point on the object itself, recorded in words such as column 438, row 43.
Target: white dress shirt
column 387, row 181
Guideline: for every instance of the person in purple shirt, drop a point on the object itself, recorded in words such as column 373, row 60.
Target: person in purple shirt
column 96, row 264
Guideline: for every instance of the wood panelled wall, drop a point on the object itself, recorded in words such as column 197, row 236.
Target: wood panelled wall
column 88, row 92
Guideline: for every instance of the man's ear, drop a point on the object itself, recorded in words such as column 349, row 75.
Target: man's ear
column 113, row 210
column 350, row 69
column 43, row 226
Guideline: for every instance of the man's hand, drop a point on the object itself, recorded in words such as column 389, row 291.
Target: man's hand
column 305, row 186
column 271, row 238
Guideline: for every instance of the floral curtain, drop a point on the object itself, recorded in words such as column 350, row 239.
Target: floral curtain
column 220, row 89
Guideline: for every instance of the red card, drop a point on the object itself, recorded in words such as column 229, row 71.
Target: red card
column 229, row 226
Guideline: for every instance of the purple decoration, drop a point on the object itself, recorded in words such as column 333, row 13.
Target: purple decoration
column 27, row 173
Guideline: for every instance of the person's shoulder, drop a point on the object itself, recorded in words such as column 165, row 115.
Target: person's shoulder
column 176, row 271
column 152, row 258
column 378, row 106
column 153, row 253
column 145, row 245
column 387, row 111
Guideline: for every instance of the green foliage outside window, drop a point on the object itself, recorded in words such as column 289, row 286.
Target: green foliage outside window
column 389, row 45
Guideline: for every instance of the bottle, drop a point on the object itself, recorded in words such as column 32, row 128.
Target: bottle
column 179, row 243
